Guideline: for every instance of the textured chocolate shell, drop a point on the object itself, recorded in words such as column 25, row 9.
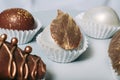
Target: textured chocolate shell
column 65, row 31
column 17, row 19
column 17, row 64
column 37, row 69
column 7, row 63
column 22, row 67
column 114, row 52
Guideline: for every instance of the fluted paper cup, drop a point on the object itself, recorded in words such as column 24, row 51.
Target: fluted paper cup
column 95, row 30
column 56, row 53
column 114, row 73
column 22, row 36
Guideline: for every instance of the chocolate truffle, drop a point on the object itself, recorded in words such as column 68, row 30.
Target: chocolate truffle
column 65, row 31
column 17, row 19
column 18, row 64
column 114, row 52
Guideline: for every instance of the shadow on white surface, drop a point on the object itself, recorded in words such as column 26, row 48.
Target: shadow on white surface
column 85, row 56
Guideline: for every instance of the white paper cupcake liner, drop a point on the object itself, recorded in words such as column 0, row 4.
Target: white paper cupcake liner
column 22, row 36
column 114, row 74
column 96, row 30
column 56, row 53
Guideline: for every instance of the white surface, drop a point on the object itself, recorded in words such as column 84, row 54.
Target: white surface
column 39, row 5
column 91, row 65
column 36, row 5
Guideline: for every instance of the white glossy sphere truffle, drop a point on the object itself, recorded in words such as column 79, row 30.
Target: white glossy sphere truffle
column 102, row 15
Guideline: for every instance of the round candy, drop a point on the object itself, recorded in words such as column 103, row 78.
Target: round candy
column 17, row 19
column 102, row 15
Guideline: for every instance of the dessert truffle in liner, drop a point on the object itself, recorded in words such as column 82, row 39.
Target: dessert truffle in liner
column 19, row 23
column 62, row 40
column 17, row 64
column 114, row 54
column 100, row 22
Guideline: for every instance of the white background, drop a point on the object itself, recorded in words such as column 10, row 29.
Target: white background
column 38, row 5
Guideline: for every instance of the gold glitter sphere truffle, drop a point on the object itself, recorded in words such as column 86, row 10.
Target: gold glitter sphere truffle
column 17, row 19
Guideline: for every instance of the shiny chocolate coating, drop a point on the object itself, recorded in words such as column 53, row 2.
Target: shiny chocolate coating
column 21, row 65
column 7, row 64
column 28, row 49
column 38, row 70
column 17, row 19
column 18, row 64
column 3, row 37
column 14, row 41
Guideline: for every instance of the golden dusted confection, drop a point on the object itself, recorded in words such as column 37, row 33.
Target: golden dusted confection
column 114, row 52
column 17, row 64
column 65, row 32
column 17, row 19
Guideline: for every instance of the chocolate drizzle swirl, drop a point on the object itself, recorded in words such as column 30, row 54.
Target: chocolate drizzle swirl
column 38, row 69
column 17, row 64
column 7, row 64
